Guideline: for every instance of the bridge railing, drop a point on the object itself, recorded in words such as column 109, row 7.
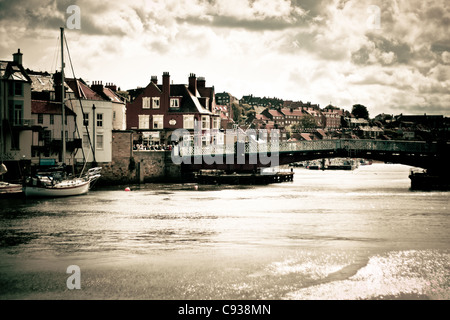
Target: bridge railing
column 315, row 145
column 388, row 146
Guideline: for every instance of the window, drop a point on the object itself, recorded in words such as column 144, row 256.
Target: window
column 40, row 118
column 15, row 140
column 15, row 89
column 146, row 102
column 114, row 115
column 205, row 122
column 52, row 119
column 174, row 103
column 188, row 122
column 216, row 123
column 100, row 120
column 47, row 136
column 144, row 121
column 85, row 119
column 99, row 141
column 155, row 103
column 16, row 112
column 158, row 122
column 86, row 144
column 18, row 89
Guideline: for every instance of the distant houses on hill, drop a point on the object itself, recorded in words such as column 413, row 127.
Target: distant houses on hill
column 31, row 117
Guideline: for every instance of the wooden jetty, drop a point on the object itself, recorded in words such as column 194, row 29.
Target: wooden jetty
column 221, row 177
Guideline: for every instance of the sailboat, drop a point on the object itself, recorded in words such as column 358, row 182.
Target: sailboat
column 56, row 182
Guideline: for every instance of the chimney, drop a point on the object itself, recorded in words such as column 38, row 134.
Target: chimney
column 57, row 85
column 111, row 86
column 154, row 80
column 97, row 86
column 17, row 57
column 166, row 91
column 193, row 84
column 201, row 82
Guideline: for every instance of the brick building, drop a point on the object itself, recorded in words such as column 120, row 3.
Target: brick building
column 158, row 109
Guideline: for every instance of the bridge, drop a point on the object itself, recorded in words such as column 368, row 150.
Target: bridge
column 432, row 156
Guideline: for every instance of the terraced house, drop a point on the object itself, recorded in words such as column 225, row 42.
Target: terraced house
column 16, row 125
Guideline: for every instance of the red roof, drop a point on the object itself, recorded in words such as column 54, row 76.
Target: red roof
column 306, row 136
column 112, row 95
column 294, row 112
column 221, row 108
column 48, row 107
column 276, row 113
column 82, row 90
column 262, row 117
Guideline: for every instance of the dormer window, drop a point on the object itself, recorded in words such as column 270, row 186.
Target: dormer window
column 174, row 103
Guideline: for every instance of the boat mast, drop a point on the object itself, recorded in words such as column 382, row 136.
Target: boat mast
column 63, row 131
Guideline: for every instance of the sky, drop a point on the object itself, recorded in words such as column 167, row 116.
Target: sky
column 391, row 56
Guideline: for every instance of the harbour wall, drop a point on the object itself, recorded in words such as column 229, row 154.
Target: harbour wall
column 136, row 166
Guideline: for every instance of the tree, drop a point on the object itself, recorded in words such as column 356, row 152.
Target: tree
column 307, row 122
column 360, row 111
column 238, row 112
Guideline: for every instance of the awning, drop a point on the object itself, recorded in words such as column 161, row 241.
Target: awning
column 151, row 135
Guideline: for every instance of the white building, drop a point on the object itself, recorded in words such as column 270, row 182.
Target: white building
column 15, row 113
column 94, row 121
column 47, row 142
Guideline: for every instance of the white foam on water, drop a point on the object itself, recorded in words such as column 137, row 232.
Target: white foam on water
column 309, row 269
column 397, row 274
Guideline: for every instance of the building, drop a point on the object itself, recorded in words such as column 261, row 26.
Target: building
column 15, row 116
column 46, row 142
column 46, row 113
column 109, row 91
column 333, row 117
column 276, row 116
column 94, row 121
column 225, row 98
column 158, row 109
column 292, row 116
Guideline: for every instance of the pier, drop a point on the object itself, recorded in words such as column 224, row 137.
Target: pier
column 221, row 177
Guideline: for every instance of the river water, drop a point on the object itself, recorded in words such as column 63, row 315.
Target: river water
column 358, row 234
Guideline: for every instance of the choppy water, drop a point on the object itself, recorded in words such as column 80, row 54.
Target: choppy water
column 328, row 235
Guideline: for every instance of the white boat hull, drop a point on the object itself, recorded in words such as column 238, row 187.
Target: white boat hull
column 10, row 188
column 59, row 190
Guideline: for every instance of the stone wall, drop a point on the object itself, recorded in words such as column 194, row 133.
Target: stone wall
column 130, row 166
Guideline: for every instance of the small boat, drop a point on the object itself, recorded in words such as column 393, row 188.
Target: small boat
column 341, row 164
column 7, row 188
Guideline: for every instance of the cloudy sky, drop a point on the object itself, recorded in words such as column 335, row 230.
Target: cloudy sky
column 391, row 56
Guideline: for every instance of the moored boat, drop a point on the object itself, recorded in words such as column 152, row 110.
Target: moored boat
column 7, row 188
column 57, row 185
column 55, row 182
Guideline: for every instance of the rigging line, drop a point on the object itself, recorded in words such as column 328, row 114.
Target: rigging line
column 79, row 97
column 79, row 136
column 55, row 56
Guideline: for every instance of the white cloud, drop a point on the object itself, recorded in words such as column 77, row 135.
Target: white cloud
column 318, row 51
